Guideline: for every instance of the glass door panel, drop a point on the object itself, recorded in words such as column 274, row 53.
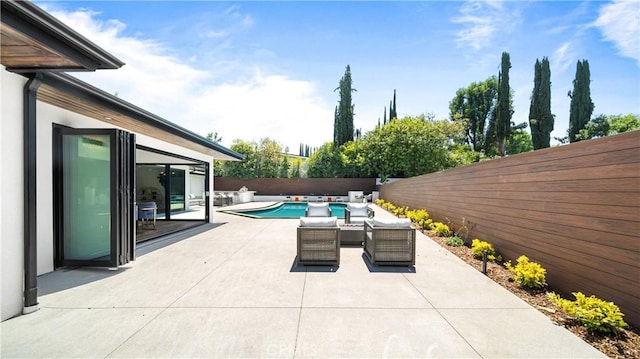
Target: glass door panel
column 86, row 202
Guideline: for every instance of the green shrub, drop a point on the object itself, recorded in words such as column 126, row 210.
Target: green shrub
column 441, row 229
column 455, row 241
column 594, row 313
column 478, row 246
column 528, row 274
column 420, row 217
column 379, row 202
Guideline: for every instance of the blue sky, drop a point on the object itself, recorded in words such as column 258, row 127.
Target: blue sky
column 250, row 70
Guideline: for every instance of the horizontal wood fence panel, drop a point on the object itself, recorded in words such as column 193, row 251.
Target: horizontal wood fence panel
column 609, row 199
column 491, row 219
column 574, row 209
column 625, row 213
column 583, row 162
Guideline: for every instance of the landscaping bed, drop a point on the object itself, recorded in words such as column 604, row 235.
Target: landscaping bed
column 625, row 345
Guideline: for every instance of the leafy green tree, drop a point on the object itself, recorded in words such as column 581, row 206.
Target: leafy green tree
column 218, row 166
column 540, row 117
column 623, row 123
column 604, row 125
column 504, row 108
column 296, row 169
column 353, row 159
column 472, row 107
column 284, row 167
column 246, row 168
column 326, row 162
column 519, row 141
column 343, row 122
column 581, row 106
column 269, row 154
column 410, row 147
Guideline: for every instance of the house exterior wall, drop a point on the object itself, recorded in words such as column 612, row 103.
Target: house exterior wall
column 12, row 185
column 11, row 194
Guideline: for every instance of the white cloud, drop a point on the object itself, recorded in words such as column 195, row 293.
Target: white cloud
column 619, row 22
column 562, row 58
column 481, row 21
column 250, row 106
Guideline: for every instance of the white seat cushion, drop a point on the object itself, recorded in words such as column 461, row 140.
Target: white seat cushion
column 391, row 222
column 318, row 221
column 318, row 210
column 358, row 209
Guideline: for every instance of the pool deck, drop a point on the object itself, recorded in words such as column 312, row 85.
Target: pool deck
column 235, row 291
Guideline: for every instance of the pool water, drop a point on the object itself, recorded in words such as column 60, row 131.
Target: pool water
column 287, row 210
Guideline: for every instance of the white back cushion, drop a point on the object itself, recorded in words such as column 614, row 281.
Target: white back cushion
column 317, row 209
column 357, row 209
column 392, row 222
column 318, row 221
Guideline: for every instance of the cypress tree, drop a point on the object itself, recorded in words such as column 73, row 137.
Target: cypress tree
column 391, row 117
column 541, row 120
column 503, row 107
column 581, row 104
column 385, row 115
column 343, row 123
column 395, row 113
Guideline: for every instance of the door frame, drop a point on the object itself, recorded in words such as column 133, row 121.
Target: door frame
column 121, row 173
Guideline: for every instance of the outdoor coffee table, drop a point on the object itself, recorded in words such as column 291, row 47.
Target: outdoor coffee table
column 352, row 234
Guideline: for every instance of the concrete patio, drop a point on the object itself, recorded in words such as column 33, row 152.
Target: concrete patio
column 235, row 291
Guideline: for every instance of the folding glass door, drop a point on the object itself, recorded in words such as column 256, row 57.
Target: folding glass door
column 93, row 183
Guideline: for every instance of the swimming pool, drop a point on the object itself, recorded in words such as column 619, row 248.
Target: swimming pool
column 286, row 210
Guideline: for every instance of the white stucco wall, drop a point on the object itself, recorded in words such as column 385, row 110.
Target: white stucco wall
column 47, row 116
column 11, row 194
column 11, row 184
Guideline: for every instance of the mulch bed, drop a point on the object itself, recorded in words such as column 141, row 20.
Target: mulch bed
column 624, row 345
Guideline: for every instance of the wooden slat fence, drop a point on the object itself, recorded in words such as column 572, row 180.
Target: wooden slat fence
column 297, row 186
column 574, row 209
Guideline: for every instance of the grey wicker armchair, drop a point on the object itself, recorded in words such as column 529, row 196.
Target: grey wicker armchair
column 390, row 242
column 318, row 241
column 357, row 213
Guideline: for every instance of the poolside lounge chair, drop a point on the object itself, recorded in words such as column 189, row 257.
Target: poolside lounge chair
column 390, row 241
column 318, row 210
column 318, row 241
column 357, row 213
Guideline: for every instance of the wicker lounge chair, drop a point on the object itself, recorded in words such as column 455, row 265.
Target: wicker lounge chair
column 318, row 241
column 317, row 210
column 390, row 242
column 357, row 213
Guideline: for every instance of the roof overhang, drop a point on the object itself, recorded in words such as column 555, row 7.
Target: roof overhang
column 70, row 93
column 33, row 40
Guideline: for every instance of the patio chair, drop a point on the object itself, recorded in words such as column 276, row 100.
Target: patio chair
column 390, row 241
column 317, row 210
column 357, row 213
column 318, row 241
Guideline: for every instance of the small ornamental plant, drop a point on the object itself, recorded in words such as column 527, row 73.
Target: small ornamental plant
column 420, row 217
column 527, row 274
column 442, row 230
column 478, row 247
column 594, row 313
column 455, row 241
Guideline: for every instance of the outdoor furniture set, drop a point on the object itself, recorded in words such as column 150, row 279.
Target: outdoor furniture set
column 386, row 241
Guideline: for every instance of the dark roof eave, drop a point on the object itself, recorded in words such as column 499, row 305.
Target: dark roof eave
column 83, row 90
column 39, row 25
